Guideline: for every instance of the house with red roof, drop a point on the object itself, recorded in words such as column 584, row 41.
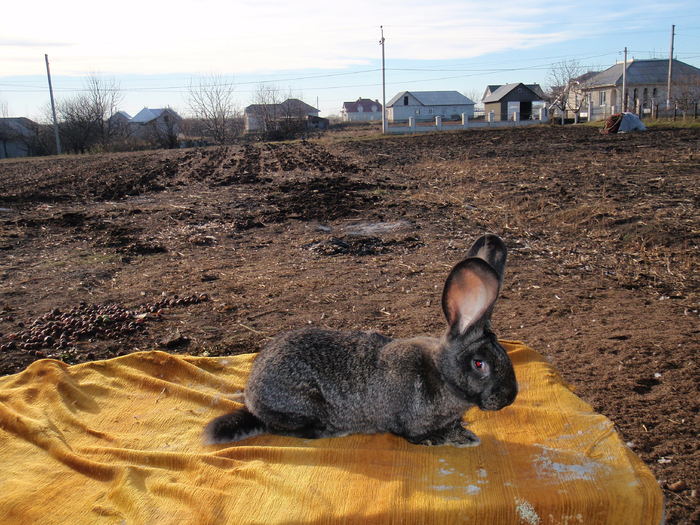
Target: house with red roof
column 361, row 110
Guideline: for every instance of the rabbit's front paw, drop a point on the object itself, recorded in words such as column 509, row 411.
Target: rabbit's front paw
column 462, row 437
column 455, row 435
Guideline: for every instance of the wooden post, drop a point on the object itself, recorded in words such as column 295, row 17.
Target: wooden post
column 624, row 83
column 384, row 123
column 670, row 73
column 53, row 108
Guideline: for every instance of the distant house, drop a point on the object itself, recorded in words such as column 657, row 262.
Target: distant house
column 576, row 101
column 504, row 100
column 491, row 88
column 362, row 110
column 426, row 105
column 118, row 123
column 162, row 125
column 316, row 122
column 263, row 117
column 18, row 137
column 646, row 87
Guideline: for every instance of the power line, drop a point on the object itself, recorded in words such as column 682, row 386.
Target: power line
column 538, row 65
column 26, row 84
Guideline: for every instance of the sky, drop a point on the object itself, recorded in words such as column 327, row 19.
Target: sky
column 323, row 52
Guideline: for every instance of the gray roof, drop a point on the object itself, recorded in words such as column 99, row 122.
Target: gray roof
column 653, row 71
column 18, row 126
column 434, row 98
column 502, row 91
column 147, row 115
column 492, row 88
column 120, row 114
column 583, row 79
column 291, row 105
column 537, row 89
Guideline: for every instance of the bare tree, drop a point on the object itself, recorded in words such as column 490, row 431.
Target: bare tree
column 211, row 101
column 104, row 95
column 77, row 125
column 686, row 93
column 84, row 118
column 264, row 113
column 4, row 110
column 560, row 81
column 275, row 117
column 293, row 115
column 474, row 94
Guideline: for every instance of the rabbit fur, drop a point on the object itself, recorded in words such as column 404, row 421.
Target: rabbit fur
column 316, row 383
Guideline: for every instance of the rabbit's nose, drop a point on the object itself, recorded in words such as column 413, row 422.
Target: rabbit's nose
column 500, row 397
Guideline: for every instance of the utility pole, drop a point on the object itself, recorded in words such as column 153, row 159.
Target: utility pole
column 381, row 43
column 53, row 108
column 624, row 83
column 670, row 69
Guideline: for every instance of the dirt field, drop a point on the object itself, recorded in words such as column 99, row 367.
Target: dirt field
column 211, row 251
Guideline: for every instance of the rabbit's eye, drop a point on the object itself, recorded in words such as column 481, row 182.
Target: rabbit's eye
column 480, row 366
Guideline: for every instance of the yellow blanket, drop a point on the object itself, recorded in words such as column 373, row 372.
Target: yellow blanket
column 119, row 441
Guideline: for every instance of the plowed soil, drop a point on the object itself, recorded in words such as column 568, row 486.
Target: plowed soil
column 212, row 251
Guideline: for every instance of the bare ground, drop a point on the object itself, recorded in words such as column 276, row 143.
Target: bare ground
column 211, row 251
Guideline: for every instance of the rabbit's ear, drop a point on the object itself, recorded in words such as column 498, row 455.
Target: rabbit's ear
column 470, row 291
column 491, row 249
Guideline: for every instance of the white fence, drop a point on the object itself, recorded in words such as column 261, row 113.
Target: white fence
column 490, row 122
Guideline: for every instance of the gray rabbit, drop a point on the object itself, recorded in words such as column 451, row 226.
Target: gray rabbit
column 317, row 383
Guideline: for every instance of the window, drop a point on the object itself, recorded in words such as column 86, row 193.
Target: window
column 405, row 100
column 601, row 98
column 653, row 93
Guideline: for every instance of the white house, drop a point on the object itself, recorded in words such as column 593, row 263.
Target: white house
column 162, row 125
column 646, row 87
column 362, row 110
column 426, row 105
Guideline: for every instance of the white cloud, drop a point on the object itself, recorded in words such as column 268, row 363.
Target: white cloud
column 243, row 36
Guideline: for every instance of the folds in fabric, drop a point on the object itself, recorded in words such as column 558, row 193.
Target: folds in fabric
column 120, row 441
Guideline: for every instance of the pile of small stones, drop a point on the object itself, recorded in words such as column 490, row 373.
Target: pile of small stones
column 61, row 330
